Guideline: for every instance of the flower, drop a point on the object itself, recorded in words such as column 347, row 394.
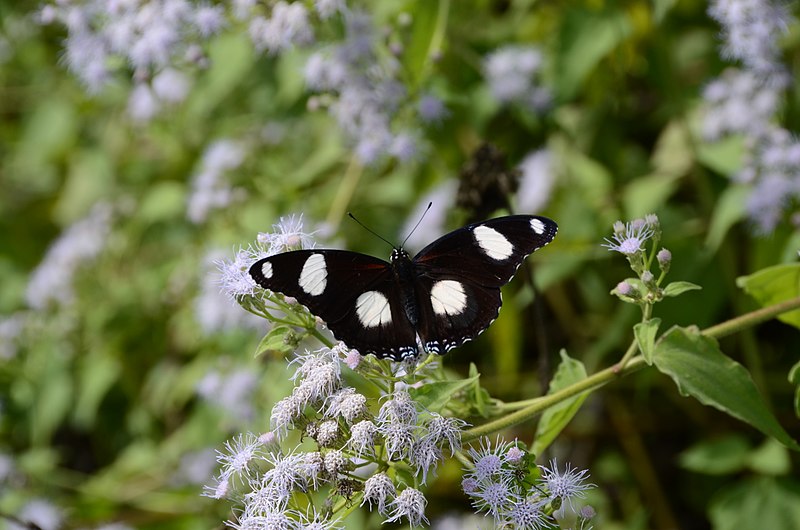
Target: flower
column 536, row 183
column 512, row 73
column 378, row 489
column 411, row 505
column 209, row 190
column 50, row 283
column 630, row 242
column 567, row 485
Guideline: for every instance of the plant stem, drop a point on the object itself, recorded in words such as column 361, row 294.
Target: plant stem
column 618, row 370
column 751, row 319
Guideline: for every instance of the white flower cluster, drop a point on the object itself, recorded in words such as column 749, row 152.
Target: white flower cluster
column 349, row 440
column 513, row 74
column 209, row 189
column 154, row 38
column 51, row 282
column 746, row 100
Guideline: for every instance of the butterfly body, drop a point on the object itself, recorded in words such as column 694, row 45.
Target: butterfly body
column 444, row 296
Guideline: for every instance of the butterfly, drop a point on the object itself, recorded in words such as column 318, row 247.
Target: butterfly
column 444, row 296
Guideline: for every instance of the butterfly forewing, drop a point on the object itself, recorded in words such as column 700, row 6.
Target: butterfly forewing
column 353, row 293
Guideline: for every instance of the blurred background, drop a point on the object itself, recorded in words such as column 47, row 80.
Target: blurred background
column 141, row 141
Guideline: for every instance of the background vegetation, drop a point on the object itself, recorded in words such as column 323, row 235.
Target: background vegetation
column 122, row 369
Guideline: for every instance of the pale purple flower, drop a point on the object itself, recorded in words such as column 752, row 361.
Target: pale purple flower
column 288, row 234
column 51, row 282
column 239, row 454
column 335, row 462
column 287, row 26
column 362, row 438
column 347, row 403
column 626, row 289
column 514, row 455
column 410, row 504
column 42, row 513
column 751, row 30
column 400, row 408
column 664, row 258
column 567, row 485
column 740, row 101
column 216, row 310
column 11, row 327
column 636, row 233
column 431, row 109
column 143, row 104
column 441, row 429
column 284, row 413
column 398, row 438
column 489, row 460
column 219, row 489
column 536, row 182
column 171, row 85
column 314, row 468
column 208, row 19
column 328, row 8
column 513, row 72
column 379, row 490
column 527, row 514
column 287, row 473
column 425, row 455
column 327, row 433
column 234, row 279
column 495, row 496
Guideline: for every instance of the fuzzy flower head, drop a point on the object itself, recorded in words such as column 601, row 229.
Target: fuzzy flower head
column 380, row 491
column 567, row 485
column 513, row 72
column 630, row 241
column 410, row 504
column 287, row 234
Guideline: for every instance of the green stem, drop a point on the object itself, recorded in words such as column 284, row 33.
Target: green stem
column 618, row 370
column 346, row 189
column 751, row 319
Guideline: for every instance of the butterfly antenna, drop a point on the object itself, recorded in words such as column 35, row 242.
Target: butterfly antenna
column 418, row 222
column 371, row 231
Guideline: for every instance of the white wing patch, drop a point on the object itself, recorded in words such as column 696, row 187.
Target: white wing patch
column 266, row 270
column 448, row 297
column 314, row 276
column 493, row 243
column 373, row 309
column 537, row 226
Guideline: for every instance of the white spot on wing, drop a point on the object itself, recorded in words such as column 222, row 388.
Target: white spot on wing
column 493, row 243
column 373, row 309
column 266, row 270
column 314, row 276
column 448, row 298
column 537, row 226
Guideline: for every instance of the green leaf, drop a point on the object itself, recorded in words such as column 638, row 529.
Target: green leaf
column 729, row 209
column 722, row 456
column 434, row 396
column 554, row 419
column 703, row 372
column 648, row 193
column 794, row 378
column 676, row 288
column 645, row 333
column 774, row 285
column 423, row 39
column 757, row 503
column 723, row 156
column 771, row 458
column 279, row 340
column 586, row 37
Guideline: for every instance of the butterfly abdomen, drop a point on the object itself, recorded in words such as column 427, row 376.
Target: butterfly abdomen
column 404, row 276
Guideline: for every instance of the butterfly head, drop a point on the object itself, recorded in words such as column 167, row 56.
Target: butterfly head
column 398, row 254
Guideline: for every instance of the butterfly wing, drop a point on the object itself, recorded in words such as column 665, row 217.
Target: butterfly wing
column 460, row 274
column 354, row 294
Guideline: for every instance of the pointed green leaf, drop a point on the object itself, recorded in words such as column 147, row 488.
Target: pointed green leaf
column 703, row 372
column 774, row 285
column 721, row 456
column 280, row 339
column 434, row 396
column 676, row 288
column 554, row 419
column 645, row 333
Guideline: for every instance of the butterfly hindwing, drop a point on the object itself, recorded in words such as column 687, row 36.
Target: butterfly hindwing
column 354, row 294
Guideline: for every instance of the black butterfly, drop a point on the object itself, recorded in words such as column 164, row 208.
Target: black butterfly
column 448, row 294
